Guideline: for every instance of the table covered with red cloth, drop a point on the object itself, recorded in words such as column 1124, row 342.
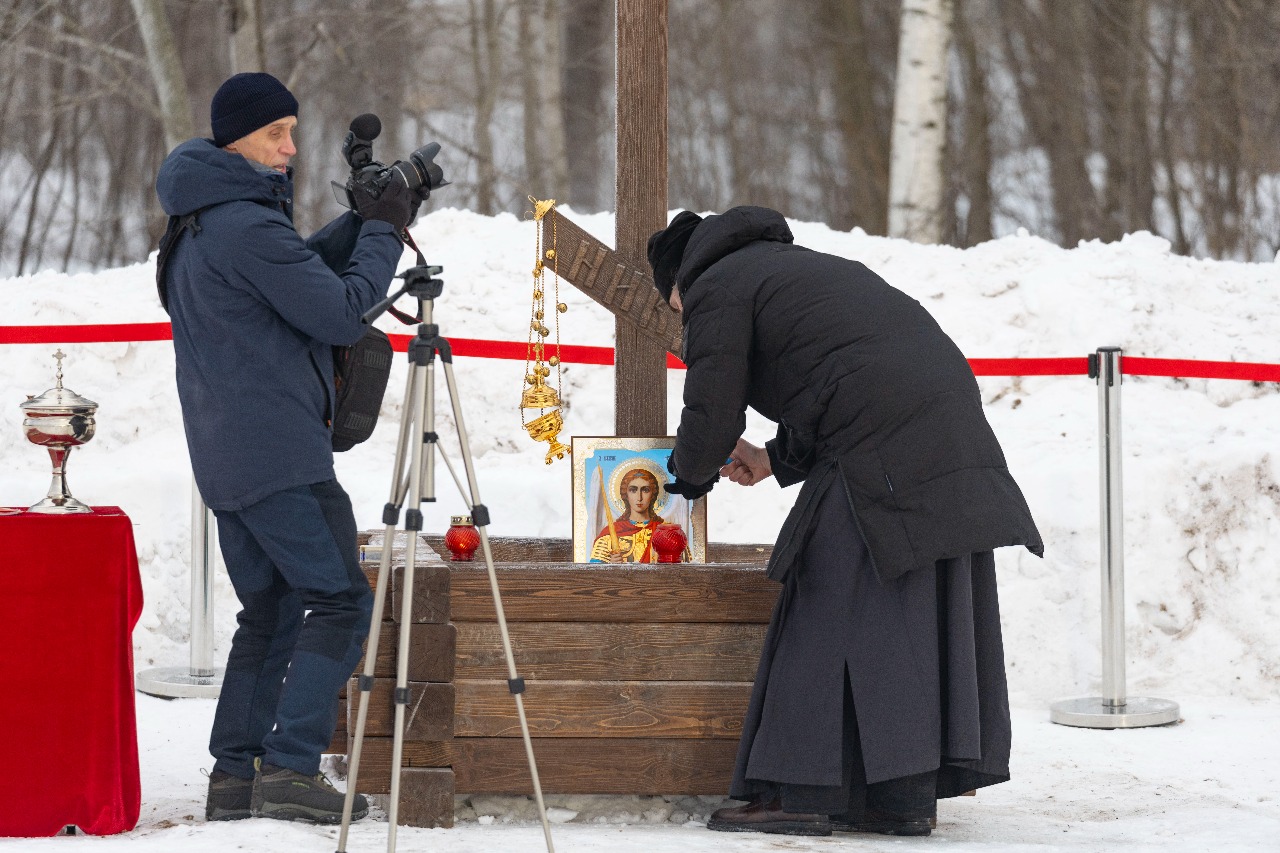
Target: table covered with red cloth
column 71, row 596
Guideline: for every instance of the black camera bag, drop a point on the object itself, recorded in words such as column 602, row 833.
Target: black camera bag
column 360, row 371
column 360, row 375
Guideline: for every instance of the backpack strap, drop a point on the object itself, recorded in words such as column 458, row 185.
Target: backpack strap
column 175, row 229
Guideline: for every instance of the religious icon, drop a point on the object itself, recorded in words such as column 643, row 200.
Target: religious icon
column 618, row 501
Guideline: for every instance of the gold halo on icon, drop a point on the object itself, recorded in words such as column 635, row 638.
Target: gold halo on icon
column 616, row 504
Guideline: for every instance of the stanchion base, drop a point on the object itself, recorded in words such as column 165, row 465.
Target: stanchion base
column 1091, row 713
column 177, row 682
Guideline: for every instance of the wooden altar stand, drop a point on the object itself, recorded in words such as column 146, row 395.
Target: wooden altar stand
column 638, row 676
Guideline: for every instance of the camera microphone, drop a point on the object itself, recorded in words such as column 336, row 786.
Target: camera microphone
column 357, row 148
column 366, row 127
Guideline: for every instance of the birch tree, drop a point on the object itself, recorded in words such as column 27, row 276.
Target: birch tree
column 918, row 140
column 166, row 71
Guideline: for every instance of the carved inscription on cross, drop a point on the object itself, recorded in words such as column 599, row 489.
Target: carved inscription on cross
column 617, row 284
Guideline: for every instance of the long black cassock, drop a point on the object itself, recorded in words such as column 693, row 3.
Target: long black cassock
column 884, row 658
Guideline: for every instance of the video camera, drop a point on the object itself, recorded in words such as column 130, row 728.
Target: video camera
column 419, row 173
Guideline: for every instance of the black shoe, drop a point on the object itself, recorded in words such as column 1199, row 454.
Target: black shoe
column 883, row 823
column 286, row 794
column 768, row 816
column 228, row 797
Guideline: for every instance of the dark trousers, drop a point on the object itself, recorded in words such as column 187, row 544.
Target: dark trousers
column 292, row 560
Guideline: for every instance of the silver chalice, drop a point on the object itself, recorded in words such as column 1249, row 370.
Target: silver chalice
column 58, row 420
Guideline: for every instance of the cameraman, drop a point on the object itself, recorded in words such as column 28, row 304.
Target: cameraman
column 256, row 310
column 881, row 685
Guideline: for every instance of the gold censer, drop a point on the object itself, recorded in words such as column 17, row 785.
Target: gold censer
column 538, row 365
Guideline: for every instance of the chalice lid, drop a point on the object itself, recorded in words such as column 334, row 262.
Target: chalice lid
column 59, row 400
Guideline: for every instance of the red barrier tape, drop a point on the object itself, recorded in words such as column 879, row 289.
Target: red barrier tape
column 1031, row 366
column 1134, row 365
column 96, row 334
column 569, row 353
column 574, row 354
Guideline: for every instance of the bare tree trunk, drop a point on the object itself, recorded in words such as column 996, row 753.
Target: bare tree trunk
column 486, row 62
column 73, row 158
column 1168, row 61
column 1121, row 69
column 546, row 161
column 863, row 134
column 918, row 141
column 555, row 150
column 527, row 43
column 166, row 71
column 974, row 151
column 586, row 73
column 248, row 49
column 1043, row 53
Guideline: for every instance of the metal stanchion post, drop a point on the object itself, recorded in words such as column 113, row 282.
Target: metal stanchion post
column 1114, row 709
column 201, row 680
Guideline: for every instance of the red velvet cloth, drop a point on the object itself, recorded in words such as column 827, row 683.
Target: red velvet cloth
column 71, row 596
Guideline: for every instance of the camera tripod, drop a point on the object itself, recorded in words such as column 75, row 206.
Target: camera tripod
column 419, row 486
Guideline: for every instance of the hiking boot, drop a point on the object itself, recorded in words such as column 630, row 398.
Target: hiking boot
column 883, row 823
column 285, row 794
column 228, row 797
column 767, row 816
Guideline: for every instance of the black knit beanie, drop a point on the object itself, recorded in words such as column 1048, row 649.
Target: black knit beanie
column 247, row 102
column 666, row 250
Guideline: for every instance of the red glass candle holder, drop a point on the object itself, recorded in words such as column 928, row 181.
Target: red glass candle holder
column 669, row 541
column 462, row 539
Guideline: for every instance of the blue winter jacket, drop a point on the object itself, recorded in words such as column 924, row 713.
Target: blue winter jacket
column 256, row 311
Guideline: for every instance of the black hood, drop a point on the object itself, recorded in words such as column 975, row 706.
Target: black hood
column 718, row 236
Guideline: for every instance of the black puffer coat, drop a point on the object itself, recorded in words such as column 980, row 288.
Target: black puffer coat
column 864, row 385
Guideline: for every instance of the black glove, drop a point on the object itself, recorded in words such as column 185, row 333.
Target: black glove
column 395, row 206
column 689, row 490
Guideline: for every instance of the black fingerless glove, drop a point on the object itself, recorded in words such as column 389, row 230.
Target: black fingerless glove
column 395, row 206
column 689, row 490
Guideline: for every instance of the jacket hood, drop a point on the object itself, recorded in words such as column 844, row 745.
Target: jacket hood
column 718, row 236
column 197, row 174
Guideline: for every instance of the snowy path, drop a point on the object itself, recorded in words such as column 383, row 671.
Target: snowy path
column 1209, row 783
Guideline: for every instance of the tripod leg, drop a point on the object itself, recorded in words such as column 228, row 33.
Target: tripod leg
column 390, row 518
column 421, row 397
column 480, row 515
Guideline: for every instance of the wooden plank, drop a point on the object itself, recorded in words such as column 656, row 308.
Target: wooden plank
column 565, row 765
column 618, row 651
column 429, row 714
column 603, row 709
column 734, row 552
column 431, row 652
column 580, row 592
column 426, row 797
column 431, row 592
column 430, row 588
column 517, row 549
column 614, row 281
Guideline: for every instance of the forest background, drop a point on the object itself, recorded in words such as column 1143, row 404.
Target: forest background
column 1074, row 119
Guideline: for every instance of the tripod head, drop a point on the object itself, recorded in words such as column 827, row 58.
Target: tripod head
column 420, row 282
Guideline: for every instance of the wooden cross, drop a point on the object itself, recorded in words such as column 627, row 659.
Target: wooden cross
column 640, row 366
column 645, row 329
column 619, row 284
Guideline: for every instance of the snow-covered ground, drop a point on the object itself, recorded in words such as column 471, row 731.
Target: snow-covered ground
column 1202, row 491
